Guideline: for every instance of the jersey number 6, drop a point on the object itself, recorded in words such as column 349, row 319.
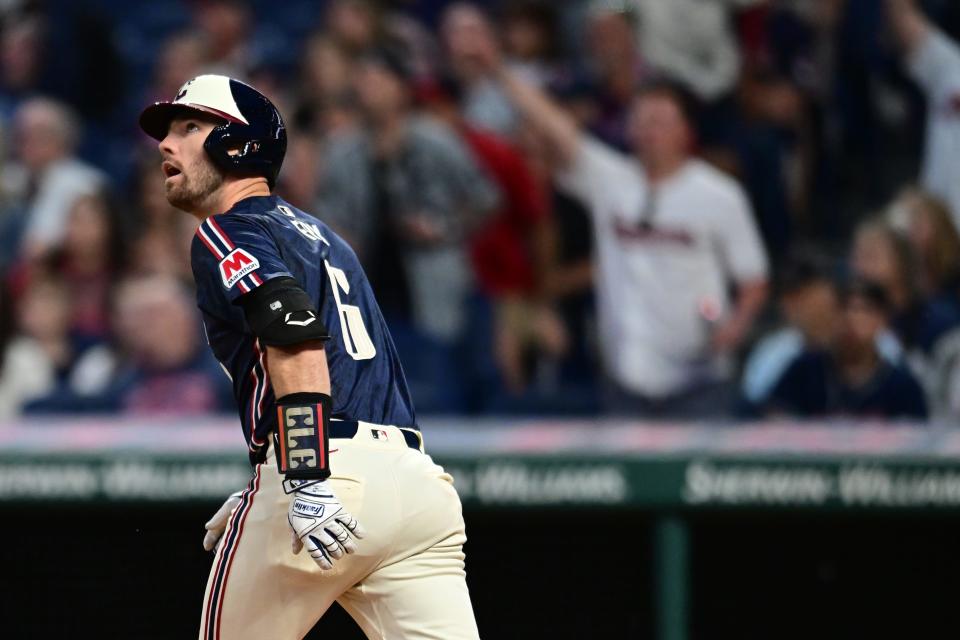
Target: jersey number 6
column 355, row 337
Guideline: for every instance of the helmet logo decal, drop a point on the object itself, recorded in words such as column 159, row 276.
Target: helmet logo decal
column 183, row 89
column 211, row 93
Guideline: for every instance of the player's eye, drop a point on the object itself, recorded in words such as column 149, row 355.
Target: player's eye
column 192, row 126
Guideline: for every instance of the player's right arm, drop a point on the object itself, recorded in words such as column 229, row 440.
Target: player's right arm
column 283, row 318
column 237, row 264
column 301, row 382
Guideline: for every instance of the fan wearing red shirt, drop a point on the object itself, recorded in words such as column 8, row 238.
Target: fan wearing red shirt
column 513, row 251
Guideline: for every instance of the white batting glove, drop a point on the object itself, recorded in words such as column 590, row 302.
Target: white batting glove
column 218, row 523
column 321, row 524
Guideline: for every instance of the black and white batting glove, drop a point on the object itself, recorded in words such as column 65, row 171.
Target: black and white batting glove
column 321, row 524
column 218, row 523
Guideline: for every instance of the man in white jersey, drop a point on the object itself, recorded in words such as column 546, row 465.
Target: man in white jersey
column 672, row 235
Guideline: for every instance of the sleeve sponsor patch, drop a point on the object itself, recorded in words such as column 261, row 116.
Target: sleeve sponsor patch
column 236, row 265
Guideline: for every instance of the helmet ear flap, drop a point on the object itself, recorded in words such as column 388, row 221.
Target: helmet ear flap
column 216, row 145
column 238, row 154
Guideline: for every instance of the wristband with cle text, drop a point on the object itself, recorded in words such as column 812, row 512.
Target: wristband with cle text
column 302, row 447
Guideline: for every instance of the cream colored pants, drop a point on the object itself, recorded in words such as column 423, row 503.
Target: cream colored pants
column 406, row 580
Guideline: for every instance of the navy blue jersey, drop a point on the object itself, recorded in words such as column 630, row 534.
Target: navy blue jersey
column 262, row 238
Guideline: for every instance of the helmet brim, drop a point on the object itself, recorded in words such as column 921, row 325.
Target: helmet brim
column 155, row 119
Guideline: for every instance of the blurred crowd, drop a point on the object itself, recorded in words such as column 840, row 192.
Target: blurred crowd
column 663, row 209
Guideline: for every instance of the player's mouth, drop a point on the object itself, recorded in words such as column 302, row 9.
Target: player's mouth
column 170, row 170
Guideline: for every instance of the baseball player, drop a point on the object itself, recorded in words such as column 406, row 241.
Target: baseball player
column 323, row 404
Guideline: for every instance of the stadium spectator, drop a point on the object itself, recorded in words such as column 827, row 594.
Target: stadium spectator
column 671, row 234
column 884, row 256
column 824, row 128
column 46, row 135
column 766, row 131
column 933, row 60
column 299, row 185
column 20, row 61
column 159, row 365
column 531, row 41
column 326, row 96
column 512, row 252
column 12, row 216
column 32, row 340
column 464, row 29
column 406, row 192
column 935, row 240
column 692, row 42
column 225, row 26
column 355, row 25
column 850, row 378
column 615, row 67
column 805, row 111
column 166, row 368
column 565, row 385
column 89, row 260
column 183, row 55
column 809, row 304
column 358, row 26
column 42, row 355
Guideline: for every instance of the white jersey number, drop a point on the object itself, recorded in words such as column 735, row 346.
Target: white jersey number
column 355, row 337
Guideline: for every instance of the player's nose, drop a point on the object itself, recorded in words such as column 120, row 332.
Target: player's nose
column 166, row 147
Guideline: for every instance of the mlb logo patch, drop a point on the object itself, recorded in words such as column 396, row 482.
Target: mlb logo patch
column 378, row 434
column 236, row 265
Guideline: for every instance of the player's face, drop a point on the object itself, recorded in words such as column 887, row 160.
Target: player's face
column 191, row 178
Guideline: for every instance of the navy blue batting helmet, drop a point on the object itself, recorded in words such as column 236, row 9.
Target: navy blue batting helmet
column 251, row 141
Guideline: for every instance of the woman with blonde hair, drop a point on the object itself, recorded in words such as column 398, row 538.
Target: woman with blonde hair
column 930, row 229
column 920, row 315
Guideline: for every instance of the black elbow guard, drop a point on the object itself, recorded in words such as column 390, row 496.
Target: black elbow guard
column 281, row 313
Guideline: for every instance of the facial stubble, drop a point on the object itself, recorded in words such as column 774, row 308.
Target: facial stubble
column 197, row 184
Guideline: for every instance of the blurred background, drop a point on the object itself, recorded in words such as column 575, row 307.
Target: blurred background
column 705, row 246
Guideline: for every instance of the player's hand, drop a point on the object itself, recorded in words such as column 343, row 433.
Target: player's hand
column 321, row 524
column 218, row 523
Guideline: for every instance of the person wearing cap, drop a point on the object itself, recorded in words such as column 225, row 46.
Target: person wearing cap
column 327, row 418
